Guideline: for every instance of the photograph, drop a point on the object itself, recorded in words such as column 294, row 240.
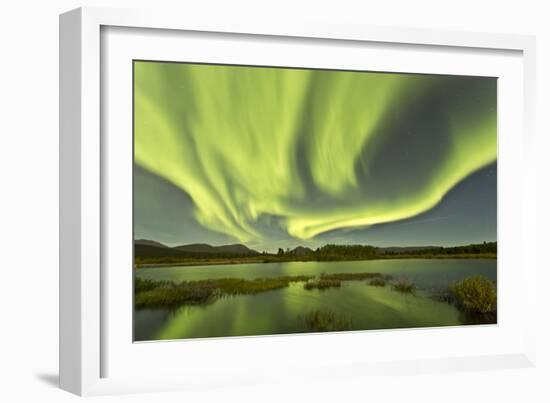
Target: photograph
column 277, row 200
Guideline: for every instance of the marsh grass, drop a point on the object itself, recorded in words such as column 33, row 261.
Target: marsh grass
column 475, row 297
column 141, row 285
column 475, row 294
column 161, row 294
column 324, row 320
column 322, row 284
column 167, row 294
column 404, row 287
column 176, row 295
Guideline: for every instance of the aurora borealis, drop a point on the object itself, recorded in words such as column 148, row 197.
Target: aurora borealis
column 278, row 156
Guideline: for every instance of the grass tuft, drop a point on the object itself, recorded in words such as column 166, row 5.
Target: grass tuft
column 378, row 282
column 475, row 294
column 324, row 320
column 404, row 287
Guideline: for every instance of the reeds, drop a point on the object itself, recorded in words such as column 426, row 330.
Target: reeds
column 475, row 294
column 404, row 287
column 322, row 284
column 378, row 282
column 324, row 320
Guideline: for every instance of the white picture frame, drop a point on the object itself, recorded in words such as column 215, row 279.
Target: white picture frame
column 85, row 345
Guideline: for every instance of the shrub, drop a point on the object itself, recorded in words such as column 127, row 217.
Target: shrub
column 476, row 294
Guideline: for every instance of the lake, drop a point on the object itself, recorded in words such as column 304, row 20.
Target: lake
column 284, row 310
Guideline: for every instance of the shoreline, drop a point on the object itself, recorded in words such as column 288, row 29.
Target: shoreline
column 263, row 260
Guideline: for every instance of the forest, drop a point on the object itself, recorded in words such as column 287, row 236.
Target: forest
column 149, row 254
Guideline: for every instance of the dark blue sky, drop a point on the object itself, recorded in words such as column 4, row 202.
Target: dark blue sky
column 467, row 214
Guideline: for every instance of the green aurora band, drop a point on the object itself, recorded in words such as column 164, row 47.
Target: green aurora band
column 309, row 151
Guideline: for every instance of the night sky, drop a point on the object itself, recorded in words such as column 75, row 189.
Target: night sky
column 273, row 157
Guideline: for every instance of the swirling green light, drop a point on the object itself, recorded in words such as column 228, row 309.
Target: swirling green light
column 309, row 151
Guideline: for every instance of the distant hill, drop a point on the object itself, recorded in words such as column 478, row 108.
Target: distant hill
column 144, row 248
column 236, row 249
column 301, row 251
column 196, row 248
column 150, row 251
column 148, row 242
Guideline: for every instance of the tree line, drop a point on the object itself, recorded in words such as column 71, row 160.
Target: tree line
column 145, row 254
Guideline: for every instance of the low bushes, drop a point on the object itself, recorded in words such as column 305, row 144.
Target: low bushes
column 475, row 294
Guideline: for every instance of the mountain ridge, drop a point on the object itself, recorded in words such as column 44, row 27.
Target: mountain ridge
column 145, row 248
column 150, row 248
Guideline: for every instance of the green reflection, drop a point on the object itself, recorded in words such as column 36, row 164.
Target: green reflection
column 282, row 311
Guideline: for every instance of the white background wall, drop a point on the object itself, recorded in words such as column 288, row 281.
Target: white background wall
column 29, row 197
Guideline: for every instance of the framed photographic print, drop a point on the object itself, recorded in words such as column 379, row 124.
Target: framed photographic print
column 271, row 200
column 246, row 196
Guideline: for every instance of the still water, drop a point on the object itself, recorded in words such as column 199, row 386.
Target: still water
column 283, row 311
